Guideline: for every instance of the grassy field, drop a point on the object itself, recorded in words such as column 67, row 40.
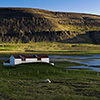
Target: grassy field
column 48, row 48
column 25, row 82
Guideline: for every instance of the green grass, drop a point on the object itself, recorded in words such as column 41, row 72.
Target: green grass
column 24, row 82
column 49, row 48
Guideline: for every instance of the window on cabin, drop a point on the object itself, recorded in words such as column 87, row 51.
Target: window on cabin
column 23, row 59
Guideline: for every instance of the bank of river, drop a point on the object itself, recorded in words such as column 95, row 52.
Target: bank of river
column 90, row 62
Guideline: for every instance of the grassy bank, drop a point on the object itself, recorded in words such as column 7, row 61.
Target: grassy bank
column 25, row 82
column 48, row 48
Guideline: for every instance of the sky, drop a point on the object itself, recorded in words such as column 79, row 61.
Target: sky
column 78, row 6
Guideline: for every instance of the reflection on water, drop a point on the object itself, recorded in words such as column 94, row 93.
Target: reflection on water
column 83, row 68
column 93, row 60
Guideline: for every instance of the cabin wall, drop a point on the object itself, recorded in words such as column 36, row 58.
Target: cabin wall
column 6, row 64
column 45, row 60
column 31, row 59
column 12, row 60
column 18, row 61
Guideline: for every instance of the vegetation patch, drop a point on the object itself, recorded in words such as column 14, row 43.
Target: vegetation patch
column 49, row 48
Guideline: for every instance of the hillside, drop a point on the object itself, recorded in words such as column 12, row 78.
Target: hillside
column 35, row 25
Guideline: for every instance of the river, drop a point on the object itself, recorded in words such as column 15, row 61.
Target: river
column 91, row 62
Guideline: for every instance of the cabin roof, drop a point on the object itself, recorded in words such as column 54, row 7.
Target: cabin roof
column 7, row 61
column 16, row 56
column 30, row 56
column 42, row 56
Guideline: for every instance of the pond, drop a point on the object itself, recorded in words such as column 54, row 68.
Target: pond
column 91, row 62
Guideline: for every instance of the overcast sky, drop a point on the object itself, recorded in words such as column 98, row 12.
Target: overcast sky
column 80, row 6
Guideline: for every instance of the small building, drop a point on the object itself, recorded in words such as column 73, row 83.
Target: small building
column 43, row 58
column 19, row 59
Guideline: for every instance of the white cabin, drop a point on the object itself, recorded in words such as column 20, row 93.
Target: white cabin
column 19, row 59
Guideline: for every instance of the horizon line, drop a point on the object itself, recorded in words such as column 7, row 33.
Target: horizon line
column 51, row 10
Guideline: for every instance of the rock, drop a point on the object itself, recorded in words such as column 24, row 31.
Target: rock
column 47, row 81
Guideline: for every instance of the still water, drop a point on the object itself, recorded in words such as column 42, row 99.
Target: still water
column 89, row 61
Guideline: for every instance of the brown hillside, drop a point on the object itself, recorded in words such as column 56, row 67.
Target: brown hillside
column 26, row 24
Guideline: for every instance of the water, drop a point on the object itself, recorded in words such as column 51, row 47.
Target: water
column 83, row 68
column 89, row 61
column 4, row 58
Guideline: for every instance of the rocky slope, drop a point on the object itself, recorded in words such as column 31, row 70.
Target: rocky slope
column 35, row 25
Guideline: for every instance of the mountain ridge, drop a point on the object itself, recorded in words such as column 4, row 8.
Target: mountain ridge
column 35, row 25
